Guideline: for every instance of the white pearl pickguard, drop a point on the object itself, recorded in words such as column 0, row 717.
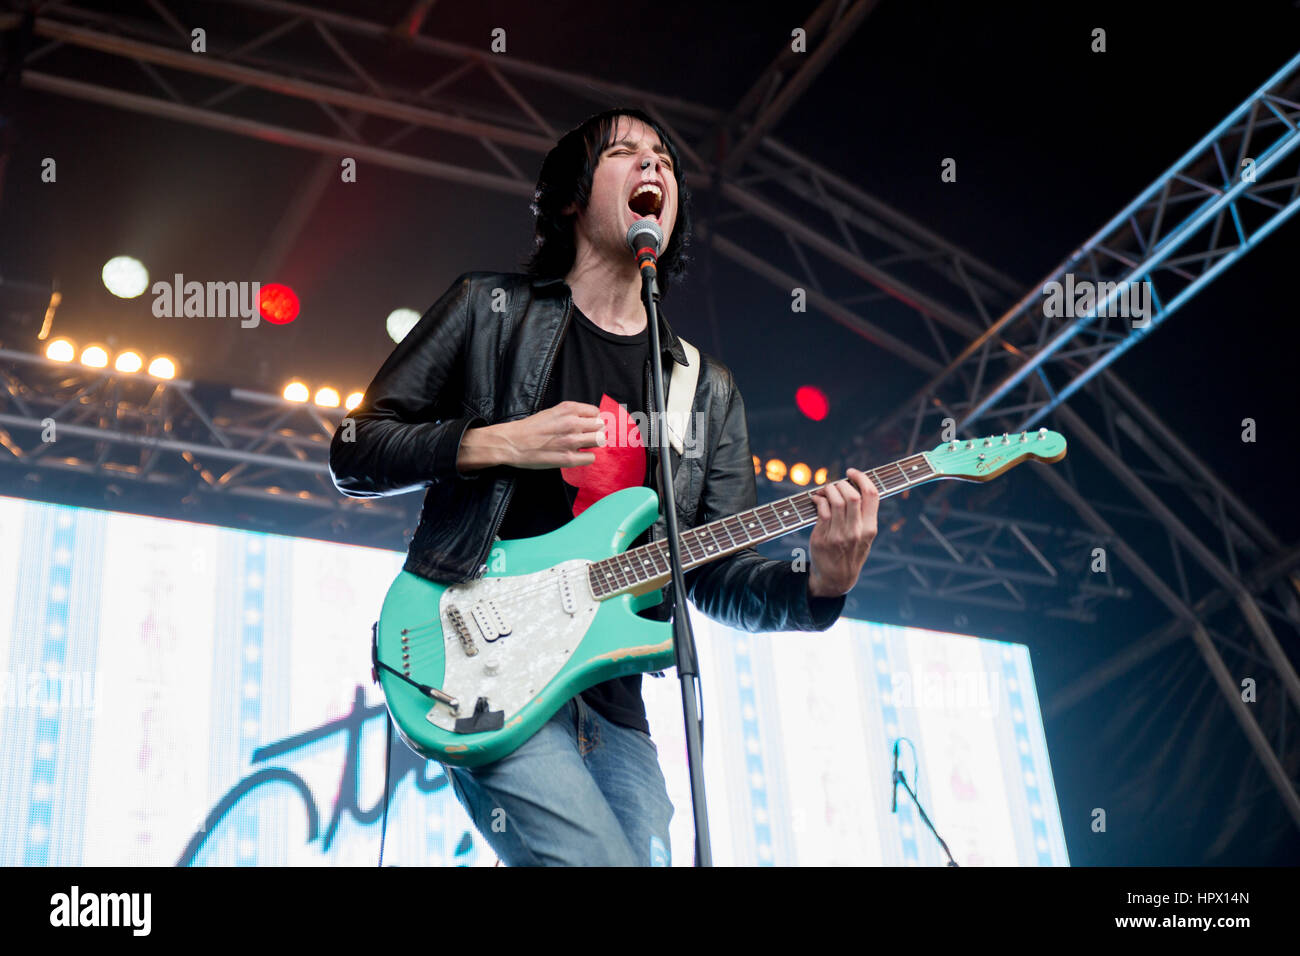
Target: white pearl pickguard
column 544, row 615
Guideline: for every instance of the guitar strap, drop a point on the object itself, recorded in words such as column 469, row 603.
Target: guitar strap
column 681, row 395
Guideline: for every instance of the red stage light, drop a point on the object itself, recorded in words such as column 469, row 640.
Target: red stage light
column 812, row 402
column 278, row 303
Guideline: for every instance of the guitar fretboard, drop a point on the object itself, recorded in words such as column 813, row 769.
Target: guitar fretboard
column 714, row 540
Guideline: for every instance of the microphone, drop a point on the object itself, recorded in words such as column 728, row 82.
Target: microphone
column 894, row 807
column 644, row 238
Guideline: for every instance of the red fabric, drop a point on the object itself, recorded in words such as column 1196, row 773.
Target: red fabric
column 619, row 464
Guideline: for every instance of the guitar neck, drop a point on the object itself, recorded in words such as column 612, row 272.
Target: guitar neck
column 647, row 567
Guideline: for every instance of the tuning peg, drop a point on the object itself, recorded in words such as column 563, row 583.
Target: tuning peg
column 1006, row 438
column 1024, row 436
column 988, row 443
column 970, row 444
column 1042, row 433
column 953, row 446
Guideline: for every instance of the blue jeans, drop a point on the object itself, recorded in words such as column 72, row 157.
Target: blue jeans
column 582, row 791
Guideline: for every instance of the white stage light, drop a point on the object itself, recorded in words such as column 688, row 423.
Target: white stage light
column 401, row 321
column 94, row 356
column 125, row 277
column 129, row 361
column 162, row 367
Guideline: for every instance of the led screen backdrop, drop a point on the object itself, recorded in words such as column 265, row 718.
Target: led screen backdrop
column 183, row 693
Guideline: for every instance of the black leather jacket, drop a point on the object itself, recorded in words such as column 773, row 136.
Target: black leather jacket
column 481, row 355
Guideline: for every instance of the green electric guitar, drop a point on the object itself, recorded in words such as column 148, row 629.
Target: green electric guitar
column 470, row 671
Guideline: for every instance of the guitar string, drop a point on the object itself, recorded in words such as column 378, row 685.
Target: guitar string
column 797, row 500
column 660, row 550
column 415, row 656
column 418, row 655
column 658, row 546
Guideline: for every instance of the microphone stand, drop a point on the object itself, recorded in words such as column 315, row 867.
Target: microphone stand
column 683, row 636
column 899, row 778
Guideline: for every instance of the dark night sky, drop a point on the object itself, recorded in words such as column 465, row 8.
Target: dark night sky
column 1050, row 140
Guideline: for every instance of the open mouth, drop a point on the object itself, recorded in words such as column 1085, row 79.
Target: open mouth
column 647, row 201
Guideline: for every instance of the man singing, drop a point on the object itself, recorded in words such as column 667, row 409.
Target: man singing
column 515, row 402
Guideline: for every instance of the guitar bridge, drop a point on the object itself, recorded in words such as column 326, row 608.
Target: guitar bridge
column 461, row 628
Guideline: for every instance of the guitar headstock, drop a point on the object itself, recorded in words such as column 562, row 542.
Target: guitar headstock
column 983, row 458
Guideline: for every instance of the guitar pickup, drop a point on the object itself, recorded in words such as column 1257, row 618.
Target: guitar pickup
column 489, row 620
column 568, row 598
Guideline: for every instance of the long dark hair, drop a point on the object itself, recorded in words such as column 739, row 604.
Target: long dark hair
column 566, row 178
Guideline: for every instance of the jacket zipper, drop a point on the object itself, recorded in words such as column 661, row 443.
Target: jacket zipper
column 505, row 502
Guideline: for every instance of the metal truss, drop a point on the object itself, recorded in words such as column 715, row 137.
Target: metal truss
column 193, row 449
column 966, row 559
column 989, row 354
column 1224, row 196
column 1179, row 234
column 784, row 81
column 1210, row 531
column 181, row 448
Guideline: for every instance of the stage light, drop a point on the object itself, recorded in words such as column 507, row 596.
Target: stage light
column 758, row 465
column 812, row 402
column 800, row 473
column 296, row 392
column 819, row 476
column 400, row 322
column 60, row 350
column 162, row 367
column 94, row 356
column 128, row 361
column 125, row 277
column 278, row 303
column 775, row 469
column 327, row 398
column 353, row 400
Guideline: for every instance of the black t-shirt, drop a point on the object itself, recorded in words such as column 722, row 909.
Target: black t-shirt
column 606, row 370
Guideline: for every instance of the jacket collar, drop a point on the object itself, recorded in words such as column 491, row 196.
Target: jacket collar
column 668, row 341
